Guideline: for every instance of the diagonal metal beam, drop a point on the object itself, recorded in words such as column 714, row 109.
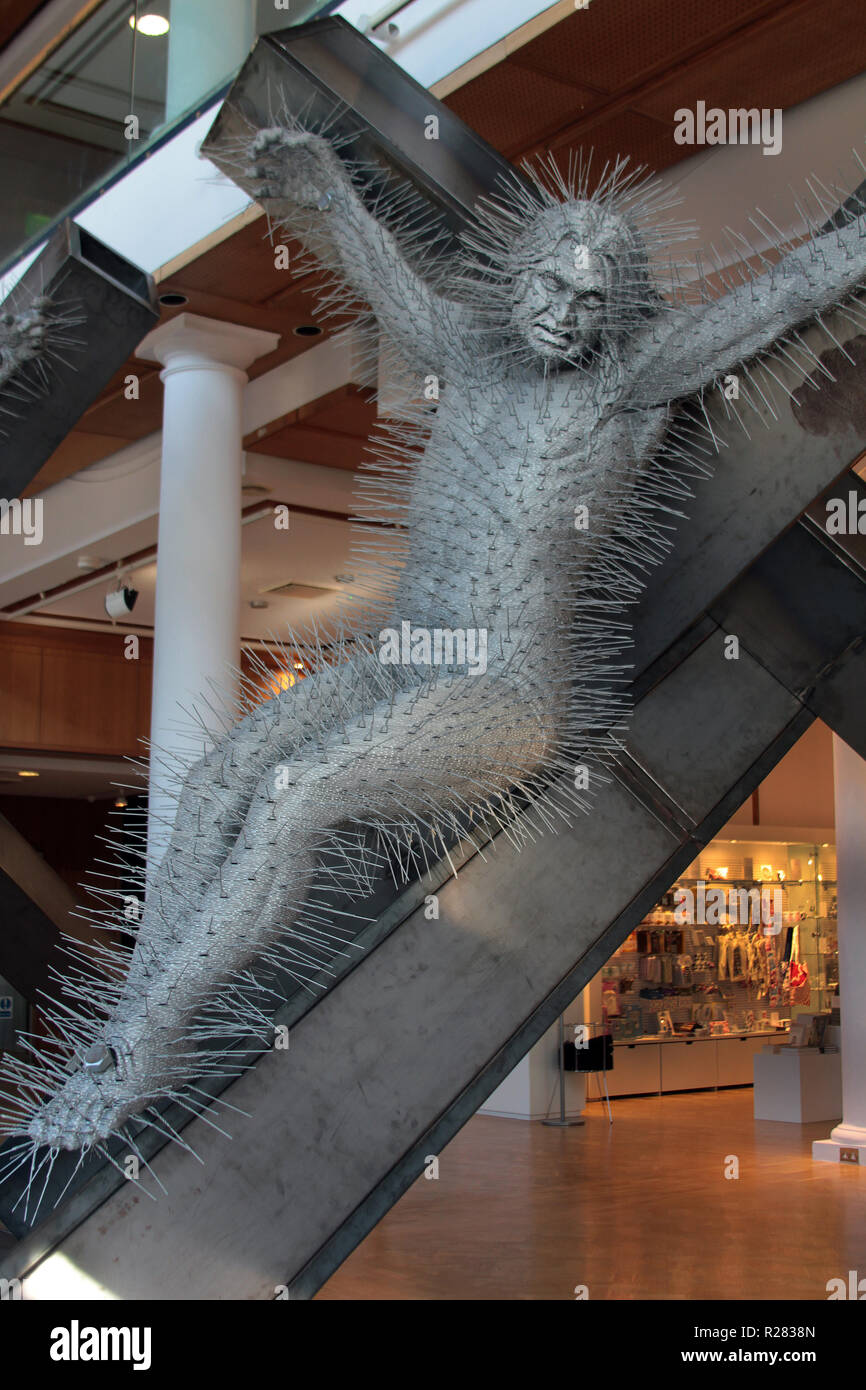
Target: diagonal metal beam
column 117, row 304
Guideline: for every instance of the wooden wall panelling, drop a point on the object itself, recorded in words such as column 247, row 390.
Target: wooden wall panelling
column 68, row 691
column 89, row 701
column 20, row 686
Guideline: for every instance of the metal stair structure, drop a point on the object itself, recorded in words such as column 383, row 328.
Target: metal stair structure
column 114, row 305
column 388, row 1063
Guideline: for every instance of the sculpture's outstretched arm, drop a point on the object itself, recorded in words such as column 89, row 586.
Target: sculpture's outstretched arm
column 690, row 349
column 304, row 185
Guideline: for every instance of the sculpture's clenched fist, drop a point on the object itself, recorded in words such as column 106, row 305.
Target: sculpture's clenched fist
column 296, row 167
column 23, row 336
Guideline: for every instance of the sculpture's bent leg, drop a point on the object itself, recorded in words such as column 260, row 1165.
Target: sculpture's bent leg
column 435, row 751
column 218, row 788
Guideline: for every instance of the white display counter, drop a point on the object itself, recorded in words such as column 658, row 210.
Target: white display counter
column 653, row 1066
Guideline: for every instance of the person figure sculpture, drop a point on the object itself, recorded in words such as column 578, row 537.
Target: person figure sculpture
column 518, row 512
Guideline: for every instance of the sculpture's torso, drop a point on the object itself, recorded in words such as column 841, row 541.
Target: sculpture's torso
column 505, row 547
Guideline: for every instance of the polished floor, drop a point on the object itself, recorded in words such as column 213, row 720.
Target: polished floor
column 641, row 1209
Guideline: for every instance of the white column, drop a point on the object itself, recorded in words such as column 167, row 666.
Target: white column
column 850, row 782
column 197, row 621
column 208, row 40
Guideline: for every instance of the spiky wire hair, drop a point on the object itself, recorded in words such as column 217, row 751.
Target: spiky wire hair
column 619, row 218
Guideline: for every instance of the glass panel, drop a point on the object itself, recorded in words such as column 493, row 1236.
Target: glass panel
column 63, row 130
column 66, row 131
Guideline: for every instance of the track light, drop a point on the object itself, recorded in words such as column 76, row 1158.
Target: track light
column 153, row 26
column 120, row 602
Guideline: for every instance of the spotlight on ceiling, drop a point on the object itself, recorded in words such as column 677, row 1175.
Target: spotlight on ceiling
column 120, row 601
column 153, row 26
column 382, row 29
column 173, row 299
column 28, row 774
column 307, row 330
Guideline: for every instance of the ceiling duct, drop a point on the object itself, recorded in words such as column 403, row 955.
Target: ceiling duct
column 292, row 589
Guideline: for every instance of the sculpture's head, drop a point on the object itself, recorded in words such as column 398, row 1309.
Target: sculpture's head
column 560, row 271
column 579, row 280
column 560, row 301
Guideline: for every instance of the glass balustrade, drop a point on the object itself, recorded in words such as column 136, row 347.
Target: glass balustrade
column 125, row 79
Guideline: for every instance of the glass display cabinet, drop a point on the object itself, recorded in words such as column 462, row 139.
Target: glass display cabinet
column 744, row 942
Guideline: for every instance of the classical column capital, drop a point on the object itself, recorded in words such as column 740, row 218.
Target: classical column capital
column 190, row 342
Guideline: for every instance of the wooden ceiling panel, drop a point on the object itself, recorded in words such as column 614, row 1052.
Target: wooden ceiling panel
column 349, row 410
column 241, row 267
column 78, row 451
column 332, row 431
column 14, row 14
column 613, row 43
column 797, row 56
column 644, row 140
column 644, row 61
column 511, row 98
column 130, row 419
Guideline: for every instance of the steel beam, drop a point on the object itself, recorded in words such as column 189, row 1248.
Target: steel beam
column 116, row 303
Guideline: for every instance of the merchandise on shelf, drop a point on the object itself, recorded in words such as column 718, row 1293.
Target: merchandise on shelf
column 728, row 949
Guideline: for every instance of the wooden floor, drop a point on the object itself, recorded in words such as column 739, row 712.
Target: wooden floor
column 640, row 1209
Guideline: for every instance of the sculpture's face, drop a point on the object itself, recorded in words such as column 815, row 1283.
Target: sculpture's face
column 559, row 303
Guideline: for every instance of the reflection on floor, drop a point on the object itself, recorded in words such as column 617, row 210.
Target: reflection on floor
column 639, row 1209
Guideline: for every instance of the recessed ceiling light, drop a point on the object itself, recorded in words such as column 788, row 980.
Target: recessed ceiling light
column 28, row 774
column 258, row 603
column 307, row 330
column 172, row 299
column 153, row 26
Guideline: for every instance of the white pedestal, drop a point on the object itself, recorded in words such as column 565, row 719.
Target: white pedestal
column 797, row 1085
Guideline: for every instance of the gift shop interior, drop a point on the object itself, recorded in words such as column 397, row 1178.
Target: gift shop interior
column 694, row 1088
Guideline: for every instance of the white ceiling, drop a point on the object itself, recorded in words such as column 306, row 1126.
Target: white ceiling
column 313, row 551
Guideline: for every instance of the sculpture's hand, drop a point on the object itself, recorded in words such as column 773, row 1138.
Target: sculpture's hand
column 309, row 192
column 22, row 336
column 297, row 167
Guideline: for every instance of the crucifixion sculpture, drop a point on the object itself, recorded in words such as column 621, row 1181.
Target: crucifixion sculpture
column 524, row 499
